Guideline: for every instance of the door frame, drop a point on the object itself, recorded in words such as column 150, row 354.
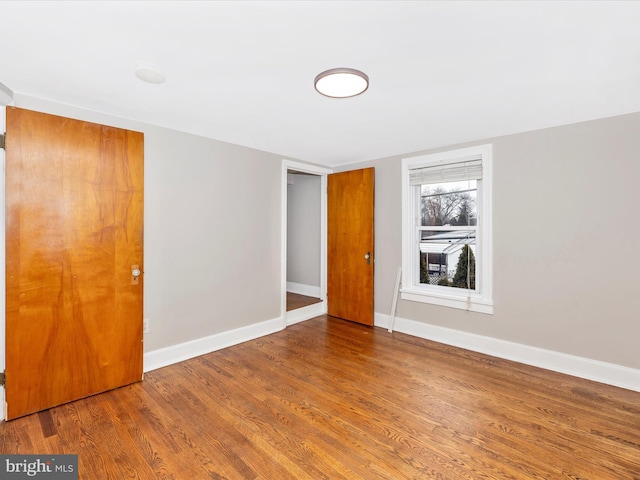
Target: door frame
column 3, row 129
column 311, row 311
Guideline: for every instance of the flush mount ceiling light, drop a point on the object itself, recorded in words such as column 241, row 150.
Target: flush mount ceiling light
column 149, row 73
column 341, row 82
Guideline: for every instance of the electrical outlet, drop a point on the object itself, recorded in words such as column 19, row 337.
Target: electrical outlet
column 145, row 325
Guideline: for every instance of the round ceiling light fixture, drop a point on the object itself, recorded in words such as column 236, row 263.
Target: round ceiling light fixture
column 149, row 73
column 341, row 82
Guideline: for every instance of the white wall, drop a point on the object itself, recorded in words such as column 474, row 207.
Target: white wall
column 303, row 231
column 565, row 200
column 212, row 231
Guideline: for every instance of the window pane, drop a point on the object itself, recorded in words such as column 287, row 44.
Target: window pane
column 447, row 258
column 450, row 203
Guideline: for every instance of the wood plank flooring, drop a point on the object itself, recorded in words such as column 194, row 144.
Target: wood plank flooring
column 330, row 399
column 295, row 301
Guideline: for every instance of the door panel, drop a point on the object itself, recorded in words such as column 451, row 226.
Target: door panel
column 74, row 196
column 350, row 238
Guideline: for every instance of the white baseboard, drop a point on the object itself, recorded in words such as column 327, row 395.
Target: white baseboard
column 201, row 346
column 595, row 370
column 306, row 313
column 302, row 289
column 194, row 348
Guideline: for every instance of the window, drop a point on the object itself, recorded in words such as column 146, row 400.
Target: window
column 446, row 228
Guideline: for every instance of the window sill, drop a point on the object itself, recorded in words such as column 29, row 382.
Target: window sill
column 475, row 303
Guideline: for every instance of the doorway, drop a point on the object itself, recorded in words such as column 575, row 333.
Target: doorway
column 303, row 239
column 304, row 252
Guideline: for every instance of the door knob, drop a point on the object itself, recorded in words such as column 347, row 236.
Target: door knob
column 135, row 273
column 367, row 257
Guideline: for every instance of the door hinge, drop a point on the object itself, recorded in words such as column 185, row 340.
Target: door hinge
column 2, row 135
column 3, row 379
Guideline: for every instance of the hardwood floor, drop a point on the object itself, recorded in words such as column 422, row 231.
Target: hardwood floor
column 295, row 301
column 330, row 399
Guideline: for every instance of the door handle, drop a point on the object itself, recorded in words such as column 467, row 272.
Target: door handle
column 367, row 257
column 135, row 273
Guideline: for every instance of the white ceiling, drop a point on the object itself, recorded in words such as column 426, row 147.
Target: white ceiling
column 242, row 72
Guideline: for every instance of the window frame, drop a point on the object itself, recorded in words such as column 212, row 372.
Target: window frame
column 475, row 301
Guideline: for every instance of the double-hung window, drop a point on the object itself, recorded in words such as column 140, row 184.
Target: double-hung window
column 446, row 229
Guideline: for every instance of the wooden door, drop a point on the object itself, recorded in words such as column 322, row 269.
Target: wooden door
column 74, row 200
column 350, row 245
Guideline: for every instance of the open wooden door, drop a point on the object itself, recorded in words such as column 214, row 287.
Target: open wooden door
column 350, row 245
column 74, row 197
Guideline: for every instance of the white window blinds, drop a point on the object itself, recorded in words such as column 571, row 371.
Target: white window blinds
column 451, row 172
